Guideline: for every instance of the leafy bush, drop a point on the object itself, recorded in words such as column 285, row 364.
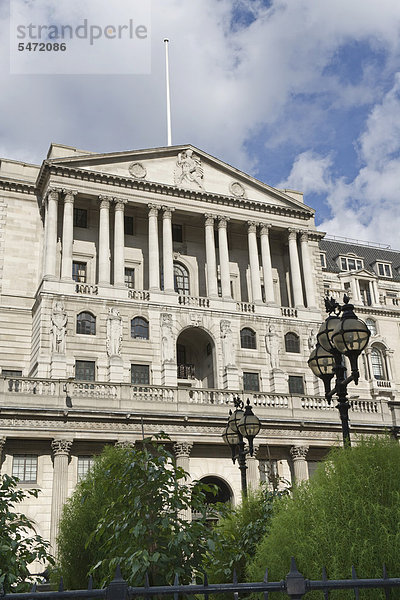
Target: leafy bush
column 128, row 511
column 20, row 545
column 348, row 514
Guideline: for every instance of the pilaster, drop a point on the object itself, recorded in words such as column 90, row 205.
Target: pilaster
column 61, row 450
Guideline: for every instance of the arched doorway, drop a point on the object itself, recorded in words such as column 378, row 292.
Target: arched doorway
column 224, row 492
column 195, row 353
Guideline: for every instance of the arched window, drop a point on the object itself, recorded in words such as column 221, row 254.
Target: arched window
column 223, row 493
column 86, row 323
column 181, row 279
column 378, row 364
column 140, row 328
column 370, row 323
column 248, row 338
column 292, row 342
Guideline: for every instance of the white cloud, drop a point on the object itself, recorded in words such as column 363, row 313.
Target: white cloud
column 310, row 174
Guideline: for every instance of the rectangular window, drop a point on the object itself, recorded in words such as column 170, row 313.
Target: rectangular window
column 140, row 374
column 79, row 272
column 177, row 233
column 128, row 225
column 251, row 382
column 85, row 370
column 10, row 373
column 25, row 467
column 296, row 384
column 351, row 264
column 80, row 217
column 130, row 278
column 85, row 463
column 384, row 270
column 322, row 258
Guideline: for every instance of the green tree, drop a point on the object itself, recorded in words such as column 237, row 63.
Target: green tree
column 20, row 545
column 129, row 511
column 348, row 514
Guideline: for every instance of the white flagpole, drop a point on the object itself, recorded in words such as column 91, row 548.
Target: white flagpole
column 169, row 134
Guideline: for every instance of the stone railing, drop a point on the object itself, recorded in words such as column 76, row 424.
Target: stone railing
column 288, row 312
column 86, row 288
column 365, row 406
column 194, row 301
column 41, row 387
column 246, row 307
column 138, row 295
column 383, row 383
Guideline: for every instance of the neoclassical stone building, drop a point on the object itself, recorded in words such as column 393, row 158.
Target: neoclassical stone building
column 141, row 291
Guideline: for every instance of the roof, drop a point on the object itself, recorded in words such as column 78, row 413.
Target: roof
column 370, row 254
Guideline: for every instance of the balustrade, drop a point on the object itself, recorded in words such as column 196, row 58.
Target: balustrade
column 194, row 301
column 86, row 288
column 138, row 295
column 246, row 307
column 288, row 312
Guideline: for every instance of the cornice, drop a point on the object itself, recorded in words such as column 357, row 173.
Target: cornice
column 382, row 312
column 168, row 190
column 14, row 185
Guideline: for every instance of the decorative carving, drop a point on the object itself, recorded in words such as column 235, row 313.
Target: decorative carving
column 137, row 170
column 304, row 236
column 209, row 220
column 292, row 234
column 69, row 196
column 252, row 226
column 58, row 327
column 61, row 446
column 237, row 189
column 183, row 449
column 312, row 340
column 299, row 452
column 105, row 201
column 114, row 332
column 53, row 194
column 125, row 444
column 265, row 227
column 228, row 345
column 153, row 210
column 167, row 212
column 273, row 346
column 167, row 338
column 189, row 172
column 120, row 204
column 2, row 444
column 196, row 319
column 223, row 222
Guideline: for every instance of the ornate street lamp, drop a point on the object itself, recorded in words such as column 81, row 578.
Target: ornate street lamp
column 342, row 334
column 242, row 423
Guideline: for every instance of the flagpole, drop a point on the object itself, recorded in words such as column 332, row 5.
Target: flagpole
column 169, row 134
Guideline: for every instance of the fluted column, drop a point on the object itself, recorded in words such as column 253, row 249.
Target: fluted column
column 68, row 234
column 119, row 243
column 300, row 466
column 224, row 257
column 104, row 241
column 168, row 259
column 154, row 256
column 376, row 292
column 254, row 263
column 2, row 444
column 266, row 264
column 182, row 453
column 61, row 450
column 211, row 261
column 307, row 270
column 253, row 469
column 50, row 257
column 295, row 270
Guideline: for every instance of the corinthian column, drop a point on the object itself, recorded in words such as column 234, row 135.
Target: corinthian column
column 300, row 466
column 119, row 243
column 168, row 259
column 104, row 240
column 68, row 235
column 182, row 453
column 266, row 264
column 51, row 235
column 254, row 263
column 61, row 449
column 295, row 270
column 211, row 261
column 307, row 270
column 2, row 444
column 253, row 469
column 154, row 257
column 224, row 257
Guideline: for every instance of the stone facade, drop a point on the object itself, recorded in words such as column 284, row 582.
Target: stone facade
column 143, row 290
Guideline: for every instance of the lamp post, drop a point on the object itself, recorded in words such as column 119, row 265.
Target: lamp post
column 242, row 423
column 341, row 334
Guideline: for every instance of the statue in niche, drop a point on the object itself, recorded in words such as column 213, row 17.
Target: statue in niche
column 228, row 348
column 58, row 327
column 189, row 172
column 114, row 332
column 272, row 344
column 312, row 340
column 167, row 339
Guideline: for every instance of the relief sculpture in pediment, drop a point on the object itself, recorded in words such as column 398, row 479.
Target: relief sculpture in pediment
column 189, row 172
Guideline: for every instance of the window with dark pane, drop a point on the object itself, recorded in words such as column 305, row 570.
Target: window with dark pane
column 140, row 374
column 25, row 467
column 296, row 384
column 85, row 370
column 81, row 217
column 129, row 277
column 251, row 382
column 248, row 338
column 86, row 323
column 79, row 272
column 140, row 328
column 128, row 225
column 378, row 365
column 292, row 342
column 11, row 373
column 181, row 279
column 85, row 463
column 177, row 233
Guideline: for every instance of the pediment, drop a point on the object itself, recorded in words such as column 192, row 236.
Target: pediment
column 184, row 167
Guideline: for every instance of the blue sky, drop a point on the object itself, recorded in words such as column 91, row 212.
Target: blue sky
column 303, row 94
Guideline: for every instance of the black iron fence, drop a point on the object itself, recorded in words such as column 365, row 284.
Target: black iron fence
column 295, row 586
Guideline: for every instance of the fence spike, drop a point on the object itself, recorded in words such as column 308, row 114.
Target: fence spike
column 61, row 585
column 265, row 580
column 385, row 576
column 354, row 576
column 293, row 566
column 325, row 578
column 33, row 588
column 235, row 580
column 206, row 594
column 90, row 583
column 176, row 583
column 146, row 580
column 118, row 574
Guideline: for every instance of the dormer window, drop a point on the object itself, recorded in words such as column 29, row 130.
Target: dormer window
column 384, row 269
column 350, row 263
column 322, row 258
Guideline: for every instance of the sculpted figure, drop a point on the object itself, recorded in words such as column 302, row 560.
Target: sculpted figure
column 189, row 169
column 272, row 344
column 312, row 340
column 167, row 338
column 114, row 332
column 228, row 349
column 58, row 327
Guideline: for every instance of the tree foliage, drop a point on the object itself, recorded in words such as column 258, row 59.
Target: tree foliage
column 20, row 545
column 348, row 514
column 129, row 511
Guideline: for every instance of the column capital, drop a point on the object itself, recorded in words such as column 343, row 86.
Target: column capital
column 167, row 212
column 53, row 194
column 105, row 201
column 223, row 222
column 252, row 226
column 303, row 235
column 125, row 444
column 69, row 195
column 292, row 233
column 61, row 447
column 3, row 440
column 120, row 203
column 209, row 219
column 153, row 209
column 264, row 228
column 299, row 452
column 182, row 449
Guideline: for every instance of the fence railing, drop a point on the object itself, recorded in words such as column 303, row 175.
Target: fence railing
column 295, row 586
